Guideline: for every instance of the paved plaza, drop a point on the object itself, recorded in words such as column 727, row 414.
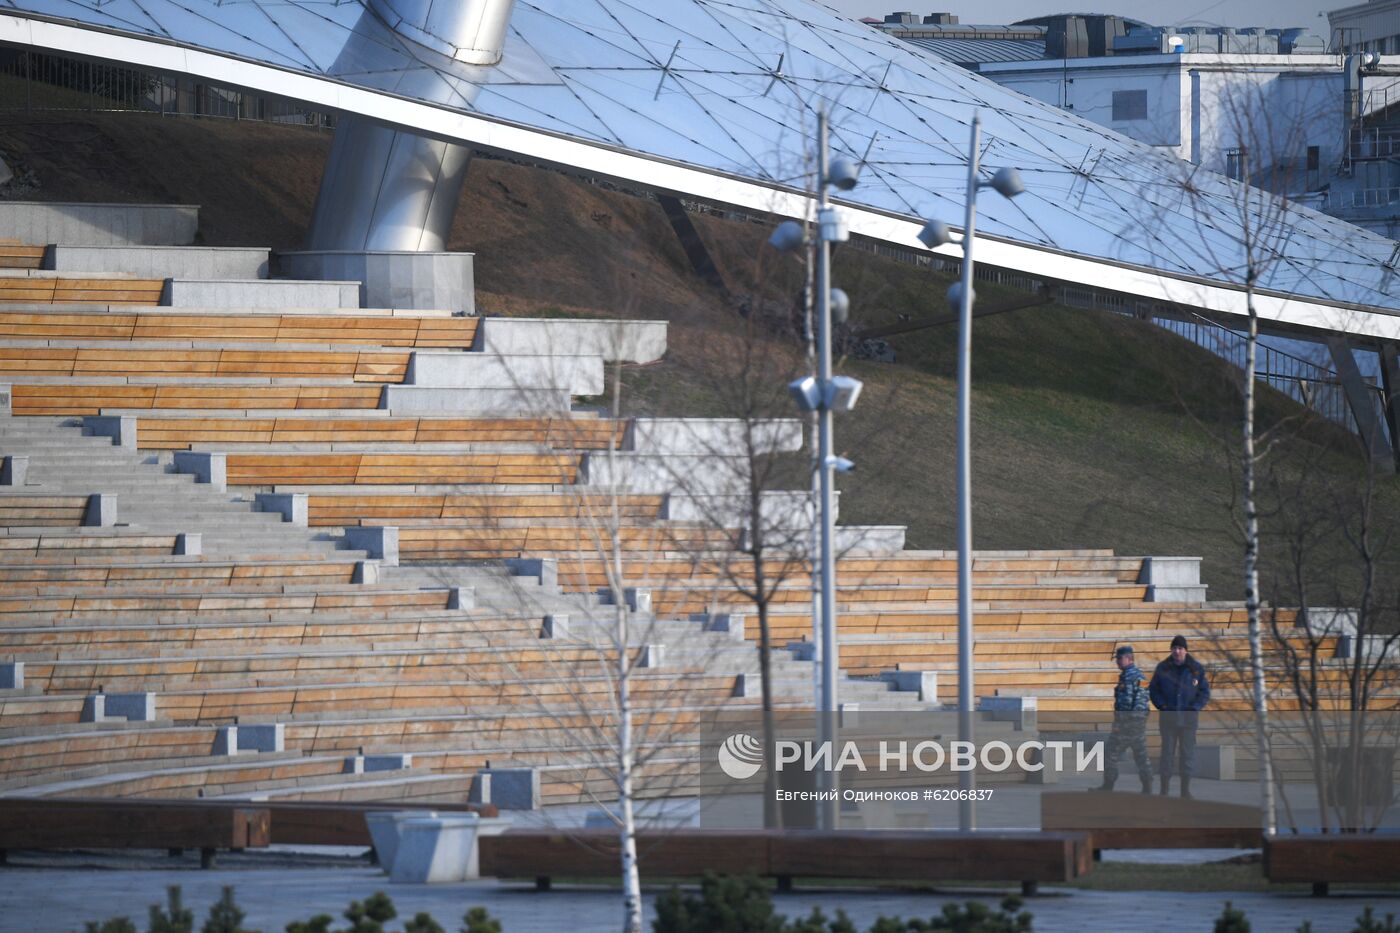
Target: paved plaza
column 50, row 897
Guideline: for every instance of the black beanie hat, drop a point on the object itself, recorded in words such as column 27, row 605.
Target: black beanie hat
column 1179, row 641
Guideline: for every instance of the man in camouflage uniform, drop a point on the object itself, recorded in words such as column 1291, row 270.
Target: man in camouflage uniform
column 1130, row 711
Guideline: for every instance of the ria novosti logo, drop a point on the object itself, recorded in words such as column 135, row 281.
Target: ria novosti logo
column 740, row 756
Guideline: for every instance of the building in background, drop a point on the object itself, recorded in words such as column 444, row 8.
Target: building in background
column 1367, row 27
column 1328, row 123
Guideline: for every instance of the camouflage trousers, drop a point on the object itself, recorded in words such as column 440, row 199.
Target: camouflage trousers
column 1129, row 735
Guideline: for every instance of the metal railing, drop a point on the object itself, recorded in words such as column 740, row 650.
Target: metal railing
column 35, row 82
column 1312, row 385
column 1360, row 198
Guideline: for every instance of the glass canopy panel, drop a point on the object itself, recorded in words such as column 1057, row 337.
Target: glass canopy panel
column 733, row 85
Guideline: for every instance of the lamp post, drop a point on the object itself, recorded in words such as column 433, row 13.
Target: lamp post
column 824, row 395
column 1007, row 183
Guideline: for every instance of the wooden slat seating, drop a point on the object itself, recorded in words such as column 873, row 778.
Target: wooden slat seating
column 401, row 469
column 31, row 824
column 58, row 547
column 563, row 433
column 1028, row 857
column 991, row 597
column 340, row 510
column 25, row 510
column 16, row 255
column 867, row 657
column 91, row 399
column 216, row 329
column 588, row 572
column 496, row 734
column 286, row 822
column 416, row 628
column 60, row 289
column 159, row 674
column 439, row 542
column 145, row 604
column 365, row 700
column 1353, row 858
column 18, row 578
column 358, row 366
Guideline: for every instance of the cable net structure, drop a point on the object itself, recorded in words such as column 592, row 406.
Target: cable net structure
column 732, row 86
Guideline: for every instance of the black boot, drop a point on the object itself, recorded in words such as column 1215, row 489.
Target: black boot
column 1165, row 785
column 1105, row 787
column 1147, row 785
column 1186, row 788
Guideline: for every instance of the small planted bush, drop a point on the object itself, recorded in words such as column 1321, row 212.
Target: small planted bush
column 1231, row 920
column 225, row 916
column 744, row 905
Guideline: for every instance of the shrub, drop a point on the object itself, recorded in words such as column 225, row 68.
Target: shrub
column 1231, row 920
column 478, row 920
column 115, row 925
column 725, row 904
column 969, row 917
column 175, row 918
column 225, row 916
column 1367, row 923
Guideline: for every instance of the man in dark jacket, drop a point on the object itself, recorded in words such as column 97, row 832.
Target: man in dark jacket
column 1130, row 711
column 1180, row 691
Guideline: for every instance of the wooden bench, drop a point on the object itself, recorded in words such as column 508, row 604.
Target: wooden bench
column 55, row 289
column 57, row 399
column 68, row 823
column 177, row 433
column 400, row 469
column 444, row 541
column 1135, row 821
column 1353, row 858
column 59, row 547
column 31, row 511
column 14, row 255
column 146, row 605
column 207, row 825
column 1030, row 858
column 366, row 366
column 341, row 510
column 219, row 329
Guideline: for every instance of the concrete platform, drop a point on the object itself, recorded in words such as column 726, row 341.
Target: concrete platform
column 244, row 294
column 42, row 223
column 160, row 262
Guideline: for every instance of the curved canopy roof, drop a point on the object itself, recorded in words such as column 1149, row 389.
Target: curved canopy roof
column 732, row 86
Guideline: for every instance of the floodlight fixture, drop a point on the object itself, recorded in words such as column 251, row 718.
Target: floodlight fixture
column 832, row 226
column 935, row 234
column 840, row 305
column 806, row 393
column 955, row 295
column 787, row 236
column 1006, row 182
column 842, row 174
column 842, row 392
column 840, row 464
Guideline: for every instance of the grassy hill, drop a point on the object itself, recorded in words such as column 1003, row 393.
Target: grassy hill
column 1090, row 429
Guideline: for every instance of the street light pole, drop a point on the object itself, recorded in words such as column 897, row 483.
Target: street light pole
column 822, row 395
column 828, row 649
column 967, row 781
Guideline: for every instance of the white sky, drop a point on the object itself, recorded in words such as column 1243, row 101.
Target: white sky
column 1267, row 13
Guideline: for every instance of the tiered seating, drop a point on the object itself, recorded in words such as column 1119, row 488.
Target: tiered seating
column 403, row 665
